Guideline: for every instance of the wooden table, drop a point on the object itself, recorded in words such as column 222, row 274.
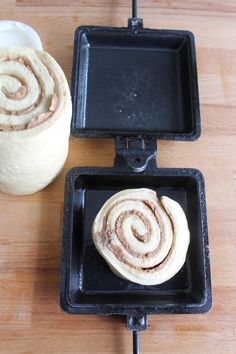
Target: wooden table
column 30, row 226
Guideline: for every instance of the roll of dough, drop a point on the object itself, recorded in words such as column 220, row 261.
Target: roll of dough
column 35, row 115
column 143, row 239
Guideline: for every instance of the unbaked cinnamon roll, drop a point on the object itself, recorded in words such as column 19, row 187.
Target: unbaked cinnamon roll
column 35, row 114
column 143, row 239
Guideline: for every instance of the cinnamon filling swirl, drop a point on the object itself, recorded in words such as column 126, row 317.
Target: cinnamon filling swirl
column 24, row 94
column 143, row 239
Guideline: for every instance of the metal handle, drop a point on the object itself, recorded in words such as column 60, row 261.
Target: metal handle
column 135, row 23
column 136, row 342
column 136, row 323
column 134, row 9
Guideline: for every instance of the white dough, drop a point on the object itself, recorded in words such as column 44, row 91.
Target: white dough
column 151, row 261
column 30, row 158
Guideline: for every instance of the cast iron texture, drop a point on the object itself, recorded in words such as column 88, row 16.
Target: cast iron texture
column 88, row 286
column 135, row 85
column 132, row 81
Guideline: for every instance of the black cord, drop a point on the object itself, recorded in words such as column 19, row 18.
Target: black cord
column 136, row 342
column 134, row 9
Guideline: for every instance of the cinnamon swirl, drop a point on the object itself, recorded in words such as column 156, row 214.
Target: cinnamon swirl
column 143, row 239
column 35, row 114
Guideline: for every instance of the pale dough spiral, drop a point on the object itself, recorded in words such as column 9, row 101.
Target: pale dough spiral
column 35, row 114
column 143, row 239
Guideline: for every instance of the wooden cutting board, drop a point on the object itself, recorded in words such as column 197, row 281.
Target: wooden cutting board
column 30, row 227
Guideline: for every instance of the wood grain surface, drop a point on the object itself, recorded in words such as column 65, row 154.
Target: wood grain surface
column 30, row 226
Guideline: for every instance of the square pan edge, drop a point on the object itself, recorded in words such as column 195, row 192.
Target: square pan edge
column 95, row 133
column 110, row 309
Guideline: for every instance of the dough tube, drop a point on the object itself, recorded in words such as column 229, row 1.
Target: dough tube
column 35, row 115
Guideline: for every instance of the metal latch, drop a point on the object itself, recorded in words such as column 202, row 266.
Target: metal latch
column 136, row 152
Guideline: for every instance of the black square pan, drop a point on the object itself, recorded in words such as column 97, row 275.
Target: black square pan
column 87, row 284
column 131, row 81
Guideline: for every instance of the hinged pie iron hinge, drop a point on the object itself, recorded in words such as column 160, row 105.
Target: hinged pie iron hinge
column 136, row 152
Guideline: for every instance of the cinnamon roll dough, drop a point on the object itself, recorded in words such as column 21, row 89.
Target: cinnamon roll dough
column 143, row 239
column 35, row 114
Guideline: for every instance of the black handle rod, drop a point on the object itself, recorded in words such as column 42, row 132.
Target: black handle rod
column 134, row 9
column 136, row 342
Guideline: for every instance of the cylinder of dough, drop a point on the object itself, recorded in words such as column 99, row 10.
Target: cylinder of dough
column 35, row 115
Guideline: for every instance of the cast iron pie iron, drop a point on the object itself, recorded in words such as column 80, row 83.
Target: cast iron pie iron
column 135, row 85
